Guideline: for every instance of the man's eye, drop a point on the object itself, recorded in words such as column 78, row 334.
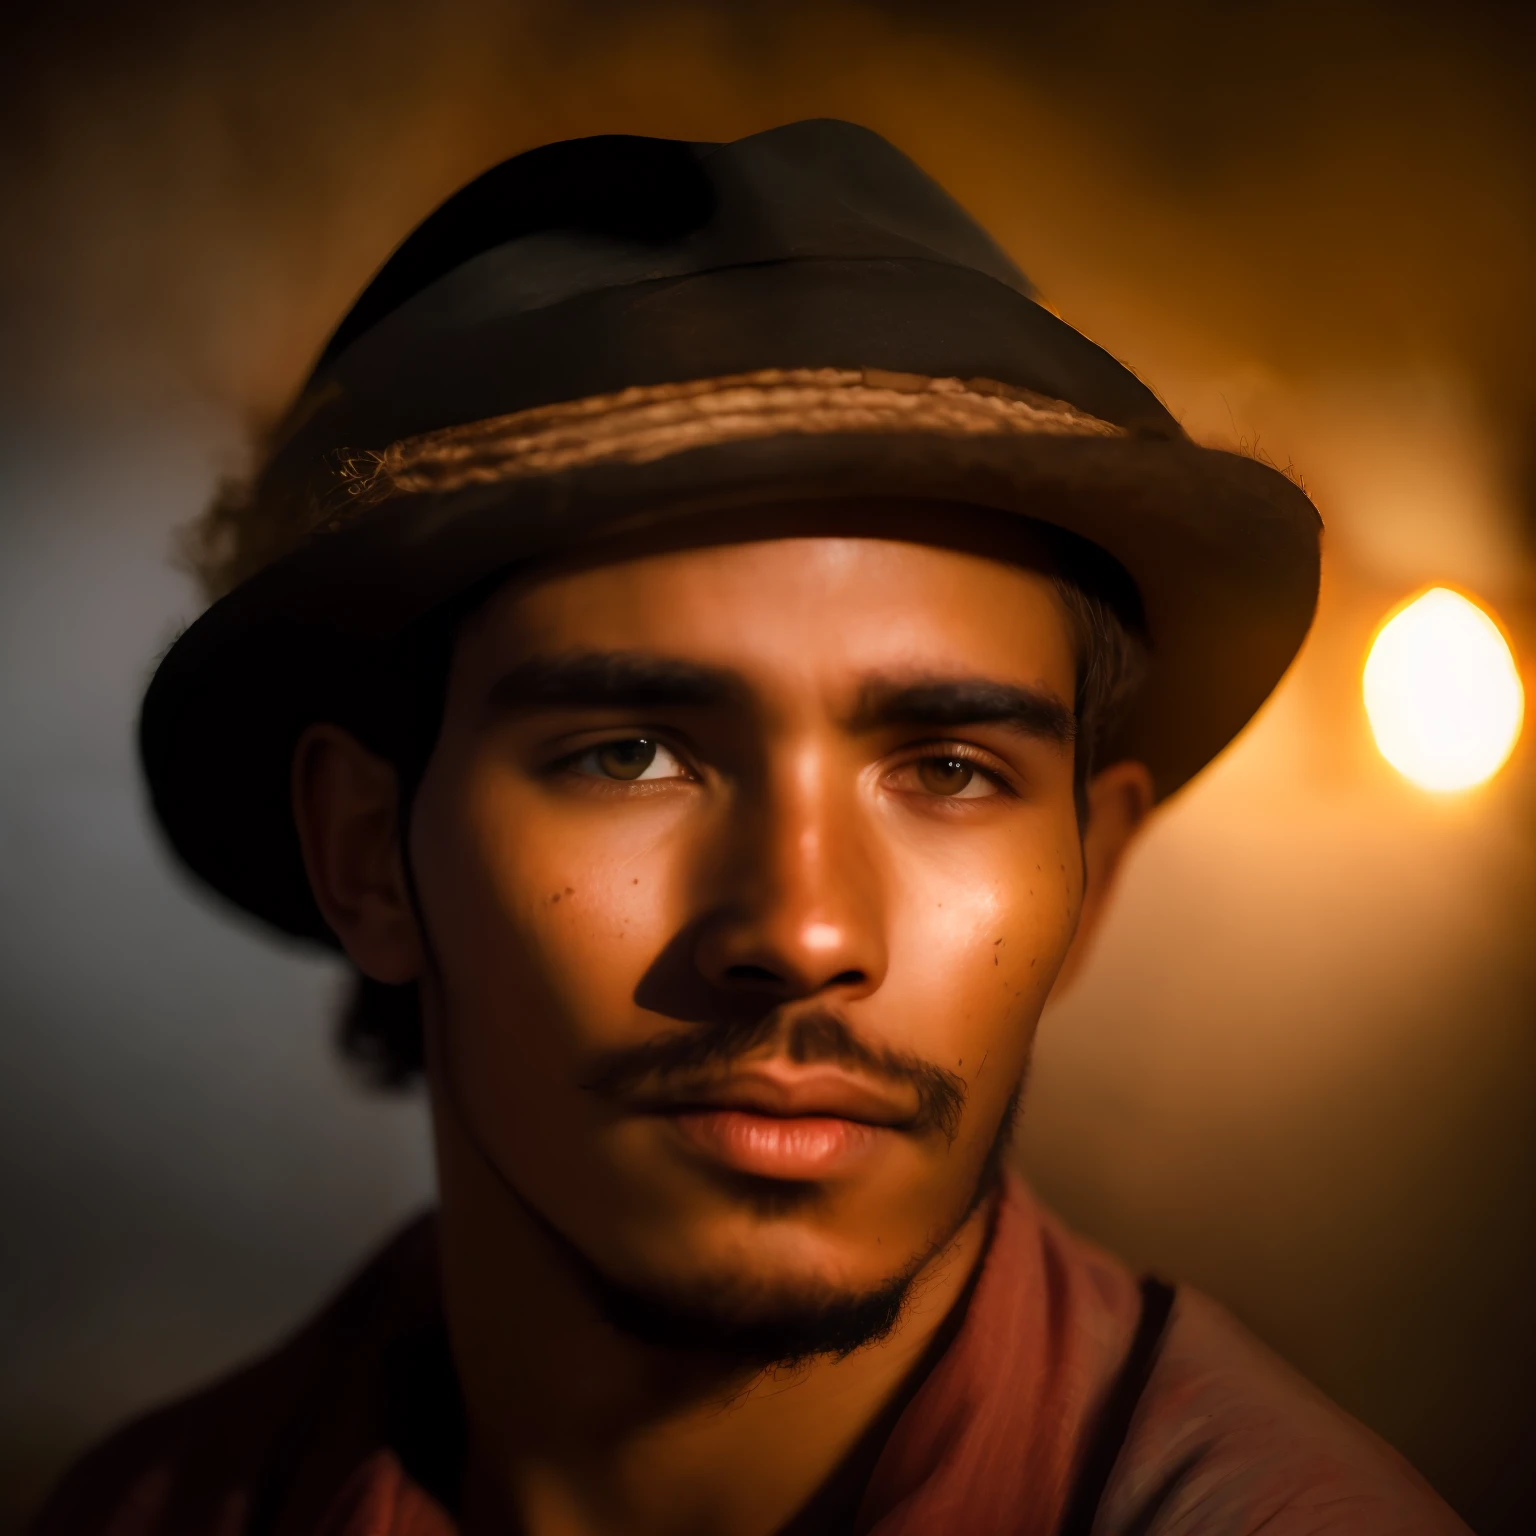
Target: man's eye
column 637, row 758
column 954, row 778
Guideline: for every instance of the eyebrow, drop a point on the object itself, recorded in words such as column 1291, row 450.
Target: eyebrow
column 612, row 680
column 641, row 680
column 947, row 702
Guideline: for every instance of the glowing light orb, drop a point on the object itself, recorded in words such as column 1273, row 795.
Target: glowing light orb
column 1442, row 692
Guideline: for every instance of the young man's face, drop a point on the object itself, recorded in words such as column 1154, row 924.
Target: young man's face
column 746, row 871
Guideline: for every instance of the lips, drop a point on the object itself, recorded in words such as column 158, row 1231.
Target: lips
column 800, row 1125
column 798, row 1147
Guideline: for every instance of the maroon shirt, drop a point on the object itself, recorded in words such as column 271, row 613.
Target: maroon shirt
column 354, row 1428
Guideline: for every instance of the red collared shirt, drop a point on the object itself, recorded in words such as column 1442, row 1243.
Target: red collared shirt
column 346, row 1428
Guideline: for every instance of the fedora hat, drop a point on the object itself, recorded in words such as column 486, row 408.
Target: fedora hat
column 616, row 330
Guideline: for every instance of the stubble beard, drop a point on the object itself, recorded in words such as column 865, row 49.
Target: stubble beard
column 749, row 1324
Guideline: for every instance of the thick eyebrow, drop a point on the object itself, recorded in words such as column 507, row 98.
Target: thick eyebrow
column 611, row 680
column 947, row 702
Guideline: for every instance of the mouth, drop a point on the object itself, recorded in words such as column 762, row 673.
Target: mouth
column 789, row 1125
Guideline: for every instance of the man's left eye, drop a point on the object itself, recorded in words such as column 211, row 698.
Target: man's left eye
column 954, row 778
column 630, row 761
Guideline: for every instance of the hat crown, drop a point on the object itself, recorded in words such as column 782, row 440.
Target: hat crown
column 590, row 265
column 670, row 207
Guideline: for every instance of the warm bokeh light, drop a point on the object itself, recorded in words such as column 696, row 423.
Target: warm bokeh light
column 1442, row 692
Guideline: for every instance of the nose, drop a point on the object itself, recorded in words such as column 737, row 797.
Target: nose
column 796, row 906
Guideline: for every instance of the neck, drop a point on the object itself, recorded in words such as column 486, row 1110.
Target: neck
column 576, row 1429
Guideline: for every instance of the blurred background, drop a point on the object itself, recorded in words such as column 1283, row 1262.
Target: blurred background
column 1301, row 1070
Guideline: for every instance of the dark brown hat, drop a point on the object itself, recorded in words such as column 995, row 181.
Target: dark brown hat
column 614, row 330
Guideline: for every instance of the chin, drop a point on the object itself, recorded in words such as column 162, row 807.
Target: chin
column 764, row 1271
column 754, row 1320
column 780, row 1275
column 772, row 1279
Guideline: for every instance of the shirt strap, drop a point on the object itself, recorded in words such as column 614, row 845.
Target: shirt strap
column 1114, row 1420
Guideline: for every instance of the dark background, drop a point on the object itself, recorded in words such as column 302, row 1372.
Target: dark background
column 1302, row 1069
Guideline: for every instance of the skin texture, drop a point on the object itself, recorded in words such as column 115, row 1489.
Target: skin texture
column 858, row 907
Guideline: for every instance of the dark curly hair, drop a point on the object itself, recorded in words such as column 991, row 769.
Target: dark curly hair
column 396, row 712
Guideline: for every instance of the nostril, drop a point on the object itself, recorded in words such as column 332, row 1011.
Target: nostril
column 752, row 973
column 848, row 979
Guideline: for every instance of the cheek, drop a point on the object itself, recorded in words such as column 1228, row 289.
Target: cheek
column 542, row 925
column 977, row 944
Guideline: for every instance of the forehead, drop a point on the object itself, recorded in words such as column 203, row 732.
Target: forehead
column 792, row 609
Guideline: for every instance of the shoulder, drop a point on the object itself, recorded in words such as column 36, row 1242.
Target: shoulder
column 192, row 1464
column 224, row 1460
column 1228, row 1439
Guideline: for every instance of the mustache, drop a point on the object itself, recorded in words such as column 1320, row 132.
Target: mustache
column 816, row 1037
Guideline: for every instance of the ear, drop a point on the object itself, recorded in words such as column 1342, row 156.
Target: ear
column 346, row 808
column 1119, row 799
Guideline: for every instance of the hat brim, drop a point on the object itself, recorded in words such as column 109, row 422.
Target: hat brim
column 1223, row 550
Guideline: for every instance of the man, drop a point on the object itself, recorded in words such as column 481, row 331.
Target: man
column 699, row 646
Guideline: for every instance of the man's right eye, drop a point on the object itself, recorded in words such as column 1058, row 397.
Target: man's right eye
column 629, row 761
